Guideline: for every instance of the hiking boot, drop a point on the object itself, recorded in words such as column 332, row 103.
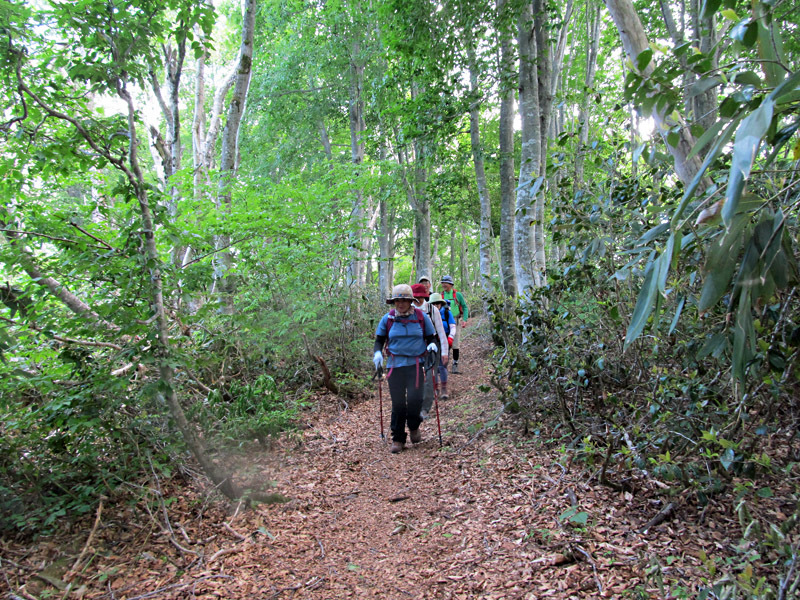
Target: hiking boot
column 397, row 447
column 444, row 395
column 455, row 367
column 423, row 414
column 416, row 436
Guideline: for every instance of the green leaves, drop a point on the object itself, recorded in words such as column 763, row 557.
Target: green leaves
column 722, row 259
column 643, row 59
column 748, row 139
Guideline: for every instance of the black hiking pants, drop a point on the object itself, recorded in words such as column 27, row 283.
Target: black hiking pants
column 405, row 388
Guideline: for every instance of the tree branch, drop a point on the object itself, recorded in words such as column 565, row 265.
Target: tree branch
column 201, row 257
column 60, row 338
column 96, row 239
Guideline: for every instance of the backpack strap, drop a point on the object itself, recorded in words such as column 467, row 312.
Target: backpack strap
column 420, row 318
column 461, row 305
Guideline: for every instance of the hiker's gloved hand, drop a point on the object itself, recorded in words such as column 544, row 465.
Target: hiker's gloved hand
column 432, row 348
column 378, row 360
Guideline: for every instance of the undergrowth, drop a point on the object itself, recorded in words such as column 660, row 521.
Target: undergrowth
column 666, row 408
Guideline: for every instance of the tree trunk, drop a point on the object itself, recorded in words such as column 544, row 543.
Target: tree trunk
column 593, row 35
column 507, row 186
column 531, row 156
column 466, row 281
column 485, row 243
column 634, row 41
column 384, row 243
column 357, row 129
column 422, row 207
column 162, row 350
column 230, row 148
column 704, row 106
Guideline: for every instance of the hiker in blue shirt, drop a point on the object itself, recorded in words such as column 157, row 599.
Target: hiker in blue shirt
column 408, row 335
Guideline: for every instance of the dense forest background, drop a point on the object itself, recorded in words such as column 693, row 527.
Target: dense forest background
column 204, row 205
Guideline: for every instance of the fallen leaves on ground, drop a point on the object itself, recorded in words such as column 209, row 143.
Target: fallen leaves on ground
column 490, row 515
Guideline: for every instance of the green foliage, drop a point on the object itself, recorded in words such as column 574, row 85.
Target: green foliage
column 246, row 411
column 753, row 259
column 64, row 444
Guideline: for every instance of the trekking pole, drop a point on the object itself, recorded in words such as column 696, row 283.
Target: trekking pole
column 379, row 376
column 438, row 423
column 436, row 400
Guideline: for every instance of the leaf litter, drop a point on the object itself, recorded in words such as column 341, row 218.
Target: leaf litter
column 493, row 514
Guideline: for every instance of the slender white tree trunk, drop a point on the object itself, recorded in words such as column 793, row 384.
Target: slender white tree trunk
column 229, row 157
column 508, row 257
column 485, row 243
column 531, row 156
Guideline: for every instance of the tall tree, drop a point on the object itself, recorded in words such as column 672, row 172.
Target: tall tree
column 485, row 244
column 123, row 45
column 530, row 61
column 637, row 49
column 508, row 254
column 229, row 156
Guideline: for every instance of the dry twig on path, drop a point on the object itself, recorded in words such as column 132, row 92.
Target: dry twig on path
column 71, row 573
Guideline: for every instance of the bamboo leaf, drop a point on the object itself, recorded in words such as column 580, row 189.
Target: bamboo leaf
column 664, row 262
column 742, row 333
column 644, row 304
column 721, row 264
column 715, row 151
column 677, row 316
column 704, row 139
column 748, row 139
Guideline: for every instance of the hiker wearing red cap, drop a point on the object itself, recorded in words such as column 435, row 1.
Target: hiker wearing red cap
column 448, row 324
column 408, row 335
column 420, row 291
column 421, row 295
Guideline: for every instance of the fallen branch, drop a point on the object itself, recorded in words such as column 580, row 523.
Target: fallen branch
column 594, row 567
column 665, row 513
column 160, row 591
column 234, row 533
column 222, row 552
column 71, row 573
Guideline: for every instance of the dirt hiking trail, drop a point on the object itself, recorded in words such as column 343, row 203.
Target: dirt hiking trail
column 490, row 515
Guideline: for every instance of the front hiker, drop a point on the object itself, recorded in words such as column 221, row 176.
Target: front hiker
column 408, row 335
column 458, row 307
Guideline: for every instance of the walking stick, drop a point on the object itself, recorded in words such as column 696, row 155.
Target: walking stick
column 431, row 368
column 379, row 376
column 438, row 423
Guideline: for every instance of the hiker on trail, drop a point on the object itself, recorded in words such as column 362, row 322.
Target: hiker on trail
column 449, row 325
column 408, row 335
column 431, row 384
column 424, row 280
column 458, row 307
column 421, row 295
